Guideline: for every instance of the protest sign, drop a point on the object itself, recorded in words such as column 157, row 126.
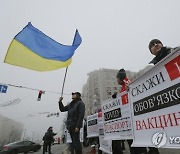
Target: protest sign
column 117, row 118
column 92, row 125
column 105, row 145
column 155, row 104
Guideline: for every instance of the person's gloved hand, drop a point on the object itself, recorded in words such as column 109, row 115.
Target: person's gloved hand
column 60, row 99
column 114, row 95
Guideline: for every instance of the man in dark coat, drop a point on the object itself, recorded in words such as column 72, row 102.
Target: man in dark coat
column 48, row 140
column 76, row 111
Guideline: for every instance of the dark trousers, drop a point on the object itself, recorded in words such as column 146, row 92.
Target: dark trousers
column 136, row 150
column 47, row 146
column 116, row 147
column 76, row 144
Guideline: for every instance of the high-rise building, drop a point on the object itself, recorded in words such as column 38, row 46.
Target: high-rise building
column 100, row 86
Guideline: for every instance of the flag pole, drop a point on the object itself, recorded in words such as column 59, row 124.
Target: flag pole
column 64, row 81
column 67, row 68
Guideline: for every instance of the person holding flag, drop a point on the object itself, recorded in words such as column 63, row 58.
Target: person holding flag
column 76, row 111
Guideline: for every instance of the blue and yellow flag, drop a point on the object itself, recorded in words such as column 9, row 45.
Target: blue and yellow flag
column 34, row 50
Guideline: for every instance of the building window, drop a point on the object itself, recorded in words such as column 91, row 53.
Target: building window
column 96, row 79
column 114, row 88
column 114, row 83
column 96, row 90
column 108, row 83
column 113, row 78
column 108, row 78
column 108, row 88
column 96, row 85
column 108, row 93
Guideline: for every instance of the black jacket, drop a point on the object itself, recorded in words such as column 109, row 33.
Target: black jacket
column 49, row 137
column 162, row 53
column 76, row 111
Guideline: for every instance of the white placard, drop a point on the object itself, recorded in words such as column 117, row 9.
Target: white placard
column 155, row 108
column 105, row 145
column 117, row 118
column 92, row 126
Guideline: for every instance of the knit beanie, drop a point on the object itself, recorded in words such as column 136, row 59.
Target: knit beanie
column 77, row 94
column 151, row 43
column 121, row 74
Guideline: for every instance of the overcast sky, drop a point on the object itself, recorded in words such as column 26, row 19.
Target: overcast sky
column 115, row 35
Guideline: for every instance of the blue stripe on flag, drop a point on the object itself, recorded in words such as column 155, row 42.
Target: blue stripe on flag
column 46, row 47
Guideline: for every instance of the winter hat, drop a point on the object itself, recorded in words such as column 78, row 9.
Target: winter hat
column 77, row 93
column 50, row 128
column 121, row 74
column 151, row 43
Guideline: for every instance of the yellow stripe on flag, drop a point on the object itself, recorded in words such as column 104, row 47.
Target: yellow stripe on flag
column 20, row 55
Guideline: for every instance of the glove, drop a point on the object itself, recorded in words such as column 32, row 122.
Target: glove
column 114, row 95
column 60, row 99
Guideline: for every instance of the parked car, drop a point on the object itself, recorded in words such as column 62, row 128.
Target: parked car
column 20, row 147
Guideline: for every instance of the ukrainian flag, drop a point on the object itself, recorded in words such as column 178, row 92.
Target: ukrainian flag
column 34, row 50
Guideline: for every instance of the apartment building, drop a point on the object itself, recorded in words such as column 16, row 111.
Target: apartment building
column 100, row 86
